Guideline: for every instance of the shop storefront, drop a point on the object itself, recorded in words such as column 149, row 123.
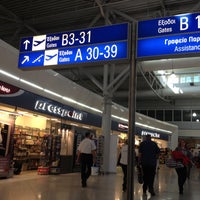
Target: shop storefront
column 46, row 133
column 162, row 139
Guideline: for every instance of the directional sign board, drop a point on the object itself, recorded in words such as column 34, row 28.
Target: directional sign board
column 171, row 36
column 100, row 44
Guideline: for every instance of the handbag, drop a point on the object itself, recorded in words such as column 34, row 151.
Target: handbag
column 172, row 163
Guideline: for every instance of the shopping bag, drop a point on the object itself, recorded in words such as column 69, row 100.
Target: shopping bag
column 94, row 171
column 140, row 174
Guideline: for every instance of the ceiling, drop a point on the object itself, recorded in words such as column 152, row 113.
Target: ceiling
column 22, row 18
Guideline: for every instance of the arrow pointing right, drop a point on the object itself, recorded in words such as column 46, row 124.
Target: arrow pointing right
column 26, row 58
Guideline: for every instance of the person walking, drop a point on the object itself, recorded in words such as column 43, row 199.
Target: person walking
column 123, row 163
column 148, row 155
column 86, row 155
column 181, row 154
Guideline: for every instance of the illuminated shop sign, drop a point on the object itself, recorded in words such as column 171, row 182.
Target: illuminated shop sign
column 172, row 36
column 57, row 110
column 123, row 127
column 7, row 89
column 4, row 89
column 153, row 134
column 75, row 47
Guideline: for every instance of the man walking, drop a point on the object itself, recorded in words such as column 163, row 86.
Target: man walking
column 148, row 155
column 86, row 154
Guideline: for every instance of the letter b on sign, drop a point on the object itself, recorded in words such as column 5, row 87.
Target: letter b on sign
column 184, row 23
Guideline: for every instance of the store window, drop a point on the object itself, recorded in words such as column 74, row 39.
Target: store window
column 187, row 115
column 144, row 112
column 177, row 115
column 168, row 115
column 159, row 115
column 195, row 115
column 151, row 113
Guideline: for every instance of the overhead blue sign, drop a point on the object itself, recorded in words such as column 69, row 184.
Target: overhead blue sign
column 106, row 43
column 170, row 36
column 168, row 45
column 184, row 23
column 74, row 55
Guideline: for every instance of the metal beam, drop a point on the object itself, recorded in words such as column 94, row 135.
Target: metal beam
column 153, row 83
column 118, row 77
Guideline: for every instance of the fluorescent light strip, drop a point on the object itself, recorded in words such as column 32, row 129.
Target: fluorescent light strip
column 121, row 118
column 143, row 125
column 53, row 93
column 31, row 84
column 10, row 112
column 152, row 127
column 9, row 75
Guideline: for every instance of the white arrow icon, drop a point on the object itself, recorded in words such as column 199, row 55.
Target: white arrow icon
column 26, row 58
column 26, row 42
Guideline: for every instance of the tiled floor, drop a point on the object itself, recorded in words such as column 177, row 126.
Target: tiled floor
column 30, row 186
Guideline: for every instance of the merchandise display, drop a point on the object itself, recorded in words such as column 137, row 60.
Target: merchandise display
column 50, row 155
column 27, row 146
column 55, row 158
column 100, row 150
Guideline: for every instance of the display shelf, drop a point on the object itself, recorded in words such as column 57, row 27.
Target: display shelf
column 100, row 151
column 27, row 145
column 50, row 153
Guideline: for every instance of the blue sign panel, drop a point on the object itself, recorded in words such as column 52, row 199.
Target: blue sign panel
column 168, row 45
column 184, row 23
column 90, row 36
column 74, row 55
column 91, row 45
column 170, row 36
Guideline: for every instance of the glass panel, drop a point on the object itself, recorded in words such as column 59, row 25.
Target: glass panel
column 168, row 115
column 195, row 115
column 196, row 79
column 159, row 114
column 187, row 115
column 151, row 113
column 144, row 112
column 177, row 115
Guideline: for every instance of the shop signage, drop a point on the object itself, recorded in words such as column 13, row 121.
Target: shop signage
column 57, row 110
column 75, row 47
column 153, row 134
column 6, row 89
column 171, row 36
column 123, row 127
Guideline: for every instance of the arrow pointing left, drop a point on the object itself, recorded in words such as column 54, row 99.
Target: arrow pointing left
column 26, row 59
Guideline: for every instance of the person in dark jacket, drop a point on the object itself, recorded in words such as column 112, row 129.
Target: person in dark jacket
column 148, row 155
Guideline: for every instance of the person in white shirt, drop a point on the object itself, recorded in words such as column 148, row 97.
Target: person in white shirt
column 124, row 162
column 86, row 154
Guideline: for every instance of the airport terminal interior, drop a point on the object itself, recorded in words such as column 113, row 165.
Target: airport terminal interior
column 120, row 69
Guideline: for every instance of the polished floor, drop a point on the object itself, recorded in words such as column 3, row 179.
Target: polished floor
column 30, row 186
